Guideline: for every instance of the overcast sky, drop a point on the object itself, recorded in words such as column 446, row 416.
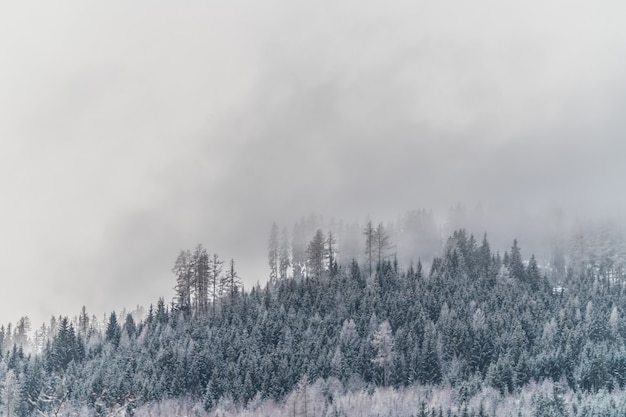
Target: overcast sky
column 130, row 130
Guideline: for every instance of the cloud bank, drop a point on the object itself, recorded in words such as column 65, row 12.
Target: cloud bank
column 133, row 130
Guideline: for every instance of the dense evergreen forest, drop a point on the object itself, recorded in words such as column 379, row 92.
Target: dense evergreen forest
column 475, row 333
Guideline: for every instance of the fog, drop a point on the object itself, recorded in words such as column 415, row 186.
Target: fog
column 130, row 131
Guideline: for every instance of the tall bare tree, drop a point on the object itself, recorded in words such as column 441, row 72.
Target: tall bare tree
column 214, row 275
column 201, row 279
column 382, row 243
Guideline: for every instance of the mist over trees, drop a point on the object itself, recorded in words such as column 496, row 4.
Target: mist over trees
column 468, row 332
column 560, row 244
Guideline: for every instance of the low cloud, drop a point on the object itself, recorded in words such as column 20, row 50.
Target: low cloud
column 136, row 130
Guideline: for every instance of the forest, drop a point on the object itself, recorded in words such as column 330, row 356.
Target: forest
column 347, row 324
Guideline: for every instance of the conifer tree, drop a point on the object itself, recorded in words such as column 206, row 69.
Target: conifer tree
column 316, row 252
column 200, row 262
column 284, row 258
column 83, row 321
column 331, row 250
column 533, row 276
column 21, row 331
column 273, row 253
column 231, row 282
column 516, row 265
column 430, row 367
column 113, row 331
column 369, row 246
column 129, row 327
column 183, row 270
column 11, row 394
column 382, row 340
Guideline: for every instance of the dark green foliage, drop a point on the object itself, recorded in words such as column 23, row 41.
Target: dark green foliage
column 474, row 320
column 113, row 331
column 63, row 349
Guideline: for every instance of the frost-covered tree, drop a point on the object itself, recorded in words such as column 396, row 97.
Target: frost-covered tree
column 316, row 254
column 331, row 252
column 429, row 370
column 464, row 333
column 370, row 250
column 83, row 321
column 349, row 341
column 273, row 252
column 515, row 263
column 22, row 328
column 231, row 283
column 184, row 272
column 381, row 243
column 382, row 340
column 11, row 394
column 113, row 331
column 284, row 261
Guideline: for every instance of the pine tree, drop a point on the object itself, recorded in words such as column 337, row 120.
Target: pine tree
column 331, row 250
column 161, row 315
column 484, row 260
column 210, row 396
column 516, row 266
column 273, row 253
column 63, row 347
column 316, row 252
column 129, row 327
column 21, row 332
column 11, row 394
column 349, row 342
column 284, row 258
column 382, row 340
column 231, row 284
column 83, row 321
column 113, row 331
column 369, row 246
column 533, row 276
column 183, row 270
column 430, row 366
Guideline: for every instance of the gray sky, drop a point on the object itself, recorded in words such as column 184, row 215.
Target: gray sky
column 131, row 130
